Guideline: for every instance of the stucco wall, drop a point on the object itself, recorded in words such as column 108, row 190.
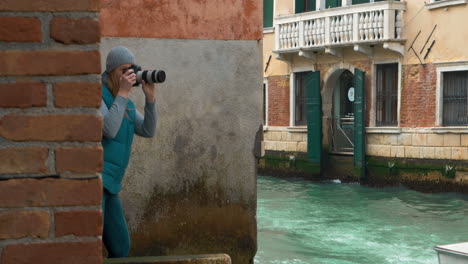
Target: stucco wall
column 450, row 35
column 192, row 188
column 182, row 19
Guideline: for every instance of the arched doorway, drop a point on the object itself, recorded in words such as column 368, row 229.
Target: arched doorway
column 342, row 119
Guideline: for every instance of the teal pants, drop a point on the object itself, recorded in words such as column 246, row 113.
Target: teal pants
column 115, row 234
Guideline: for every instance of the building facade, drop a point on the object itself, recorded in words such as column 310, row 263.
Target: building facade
column 369, row 90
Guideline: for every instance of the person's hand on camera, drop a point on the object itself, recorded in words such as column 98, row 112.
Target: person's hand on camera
column 127, row 80
column 150, row 91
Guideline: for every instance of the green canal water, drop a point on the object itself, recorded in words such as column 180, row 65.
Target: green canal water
column 304, row 222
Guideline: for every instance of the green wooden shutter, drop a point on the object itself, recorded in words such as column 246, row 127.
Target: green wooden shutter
column 299, row 6
column 332, row 3
column 360, row 1
column 314, row 118
column 311, row 5
column 267, row 13
column 359, row 123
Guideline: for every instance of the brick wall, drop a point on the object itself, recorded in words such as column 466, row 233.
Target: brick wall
column 418, row 96
column 50, row 132
column 278, row 101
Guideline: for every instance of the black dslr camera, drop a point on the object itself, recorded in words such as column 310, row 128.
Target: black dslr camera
column 153, row 76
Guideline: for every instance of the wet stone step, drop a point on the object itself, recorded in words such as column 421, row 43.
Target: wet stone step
column 194, row 259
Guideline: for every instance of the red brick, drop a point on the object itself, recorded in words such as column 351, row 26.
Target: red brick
column 57, row 253
column 278, row 101
column 19, row 224
column 23, row 160
column 418, row 96
column 78, row 223
column 78, row 160
column 49, row 62
column 73, row 94
column 20, row 29
column 84, row 127
column 22, row 94
column 49, row 5
column 49, row 192
column 75, row 30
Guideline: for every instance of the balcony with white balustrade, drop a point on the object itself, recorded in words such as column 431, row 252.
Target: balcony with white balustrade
column 361, row 26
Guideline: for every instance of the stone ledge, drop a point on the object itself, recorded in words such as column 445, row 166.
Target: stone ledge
column 190, row 259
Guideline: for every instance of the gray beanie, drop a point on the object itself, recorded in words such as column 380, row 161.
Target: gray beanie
column 118, row 56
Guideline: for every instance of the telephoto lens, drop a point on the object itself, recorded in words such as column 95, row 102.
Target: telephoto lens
column 151, row 76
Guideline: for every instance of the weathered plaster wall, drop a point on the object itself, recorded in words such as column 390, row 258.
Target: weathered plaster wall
column 192, row 188
column 450, row 35
column 182, row 19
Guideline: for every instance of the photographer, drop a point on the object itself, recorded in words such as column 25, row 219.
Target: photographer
column 121, row 122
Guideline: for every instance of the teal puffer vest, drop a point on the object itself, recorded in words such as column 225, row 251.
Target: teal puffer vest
column 117, row 150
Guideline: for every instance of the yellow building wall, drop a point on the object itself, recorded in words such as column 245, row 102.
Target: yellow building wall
column 275, row 67
column 451, row 37
column 284, row 7
column 451, row 34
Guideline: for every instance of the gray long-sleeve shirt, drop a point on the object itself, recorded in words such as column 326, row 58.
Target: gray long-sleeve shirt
column 145, row 126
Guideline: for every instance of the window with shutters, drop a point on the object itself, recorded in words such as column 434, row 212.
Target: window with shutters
column 455, row 98
column 386, row 94
column 268, row 13
column 302, row 6
column 300, row 114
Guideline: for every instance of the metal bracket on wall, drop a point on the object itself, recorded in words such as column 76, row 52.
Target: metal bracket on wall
column 427, row 40
column 268, row 63
column 429, row 49
column 411, row 47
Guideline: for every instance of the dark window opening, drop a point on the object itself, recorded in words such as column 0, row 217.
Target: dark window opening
column 305, row 6
column 387, row 95
column 455, row 98
column 300, row 116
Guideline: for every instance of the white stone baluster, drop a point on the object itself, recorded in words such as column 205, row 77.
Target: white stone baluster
column 399, row 23
column 281, row 37
column 361, row 26
column 380, row 25
column 313, row 32
column 341, row 28
column 306, row 32
column 367, row 25
column 296, row 35
column 350, row 27
column 345, row 28
column 371, row 25
column 332, row 30
column 322, row 25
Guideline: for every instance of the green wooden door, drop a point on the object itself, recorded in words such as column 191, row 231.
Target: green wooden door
column 304, row 6
column 359, row 123
column 267, row 13
column 314, row 118
column 332, row 3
